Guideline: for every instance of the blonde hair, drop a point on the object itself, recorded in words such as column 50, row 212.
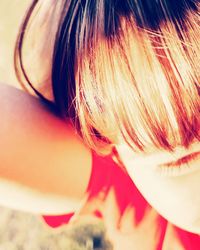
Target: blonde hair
column 141, row 87
column 136, row 83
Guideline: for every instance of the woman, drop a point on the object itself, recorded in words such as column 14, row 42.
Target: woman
column 126, row 74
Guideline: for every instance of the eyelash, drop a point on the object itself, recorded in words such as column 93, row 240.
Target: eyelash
column 182, row 168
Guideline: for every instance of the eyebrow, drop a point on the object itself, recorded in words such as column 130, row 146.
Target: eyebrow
column 183, row 160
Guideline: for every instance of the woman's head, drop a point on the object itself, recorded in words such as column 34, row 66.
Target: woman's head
column 126, row 71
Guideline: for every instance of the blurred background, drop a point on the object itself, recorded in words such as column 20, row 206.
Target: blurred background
column 23, row 231
column 11, row 13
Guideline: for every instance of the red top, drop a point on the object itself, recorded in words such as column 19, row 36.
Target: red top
column 150, row 230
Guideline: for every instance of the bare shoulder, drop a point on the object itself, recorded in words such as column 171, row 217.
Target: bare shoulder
column 39, row 150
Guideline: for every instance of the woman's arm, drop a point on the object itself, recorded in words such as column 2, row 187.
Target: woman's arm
column 44, row 165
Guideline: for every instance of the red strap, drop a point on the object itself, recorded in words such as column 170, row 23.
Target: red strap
column 58, row 220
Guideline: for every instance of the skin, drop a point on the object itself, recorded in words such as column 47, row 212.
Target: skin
column 173, row 192
column 38, row 157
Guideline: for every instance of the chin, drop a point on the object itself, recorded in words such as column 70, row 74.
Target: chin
column 189, row 227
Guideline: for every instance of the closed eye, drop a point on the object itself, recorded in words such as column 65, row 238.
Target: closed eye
column 182, row 160
column 182, row 166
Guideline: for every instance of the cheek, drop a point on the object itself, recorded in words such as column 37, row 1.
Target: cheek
column 176, row 198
